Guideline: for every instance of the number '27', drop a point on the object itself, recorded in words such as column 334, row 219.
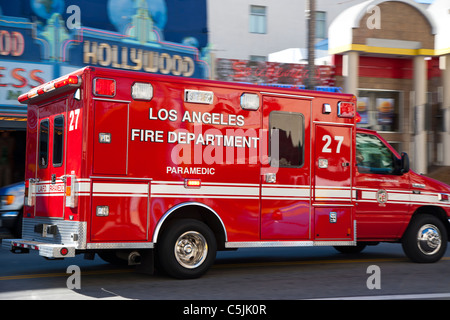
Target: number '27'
column 328, row 140
column 73, row 119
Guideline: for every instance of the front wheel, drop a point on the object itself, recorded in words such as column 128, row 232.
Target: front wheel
column 187, row 249
column 425, row 240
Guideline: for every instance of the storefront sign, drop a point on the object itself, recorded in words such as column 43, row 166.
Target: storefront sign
column 42, row 41
column 120, row 56
column 16, row 79
column 271, row 72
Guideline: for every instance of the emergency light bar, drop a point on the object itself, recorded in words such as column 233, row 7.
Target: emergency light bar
column 64, row 82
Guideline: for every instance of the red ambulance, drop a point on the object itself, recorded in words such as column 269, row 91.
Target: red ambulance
column 151, row 169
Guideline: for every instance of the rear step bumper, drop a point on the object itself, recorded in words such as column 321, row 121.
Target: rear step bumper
column 46, row 250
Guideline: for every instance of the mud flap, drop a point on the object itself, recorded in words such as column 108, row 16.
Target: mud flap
column 147, row 265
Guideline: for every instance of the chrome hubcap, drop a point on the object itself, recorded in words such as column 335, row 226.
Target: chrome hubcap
column 429, row 239
column 191, row 249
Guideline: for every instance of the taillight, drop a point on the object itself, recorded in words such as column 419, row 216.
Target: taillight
column 71, row 194
column 27, row 186
column 104, row 87
column 346, row 109
column 68, row 186
column 29, row 192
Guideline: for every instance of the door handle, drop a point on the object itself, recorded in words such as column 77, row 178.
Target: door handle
column 53, row 178
column 271, row 177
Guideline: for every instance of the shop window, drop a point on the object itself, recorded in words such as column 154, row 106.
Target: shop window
column 379, row 110
column 321, row 25
column 286, row 139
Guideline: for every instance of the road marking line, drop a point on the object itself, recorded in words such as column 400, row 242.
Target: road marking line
column 312, row 262
column 51, row 275
column 216, row 266
column 394, row 297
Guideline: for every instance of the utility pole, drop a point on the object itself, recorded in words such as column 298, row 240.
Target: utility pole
column 311, row 23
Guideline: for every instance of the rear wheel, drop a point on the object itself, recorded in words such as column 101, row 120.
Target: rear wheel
column 187, row 249
column 425, row 240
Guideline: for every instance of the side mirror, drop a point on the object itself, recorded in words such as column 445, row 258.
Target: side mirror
column 405, row 163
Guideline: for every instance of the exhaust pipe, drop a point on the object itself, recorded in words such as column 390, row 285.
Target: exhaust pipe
column 133, row 257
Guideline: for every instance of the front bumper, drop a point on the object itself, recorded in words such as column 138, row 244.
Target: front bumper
column 8, row 219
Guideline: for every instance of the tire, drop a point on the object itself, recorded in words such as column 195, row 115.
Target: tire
column 17, row 230
column 360, row 246
column 187, row 249
column 425, row 239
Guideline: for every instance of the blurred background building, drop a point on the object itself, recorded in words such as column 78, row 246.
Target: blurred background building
column 393, row 55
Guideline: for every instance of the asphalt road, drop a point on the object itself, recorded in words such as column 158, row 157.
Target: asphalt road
column 245, row 274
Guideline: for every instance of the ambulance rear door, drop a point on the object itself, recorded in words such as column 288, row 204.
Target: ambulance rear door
column 50, row 165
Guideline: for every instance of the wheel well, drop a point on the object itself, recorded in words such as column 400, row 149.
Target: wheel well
column 198, row 212
column 437, row 212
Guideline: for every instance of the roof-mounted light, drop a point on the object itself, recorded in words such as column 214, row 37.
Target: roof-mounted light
column 64, row 82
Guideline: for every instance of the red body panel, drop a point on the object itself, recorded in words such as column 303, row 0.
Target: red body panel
column 133, row 157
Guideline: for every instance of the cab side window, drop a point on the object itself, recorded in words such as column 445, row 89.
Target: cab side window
column 373, row 156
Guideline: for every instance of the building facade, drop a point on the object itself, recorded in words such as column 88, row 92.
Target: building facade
column 43, row 40
column 393, row 55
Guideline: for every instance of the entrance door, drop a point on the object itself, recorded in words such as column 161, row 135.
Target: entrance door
column 285, row 191
column 50, row 160
column 332, row 203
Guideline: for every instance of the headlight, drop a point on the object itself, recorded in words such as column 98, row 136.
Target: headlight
column 8, row 200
